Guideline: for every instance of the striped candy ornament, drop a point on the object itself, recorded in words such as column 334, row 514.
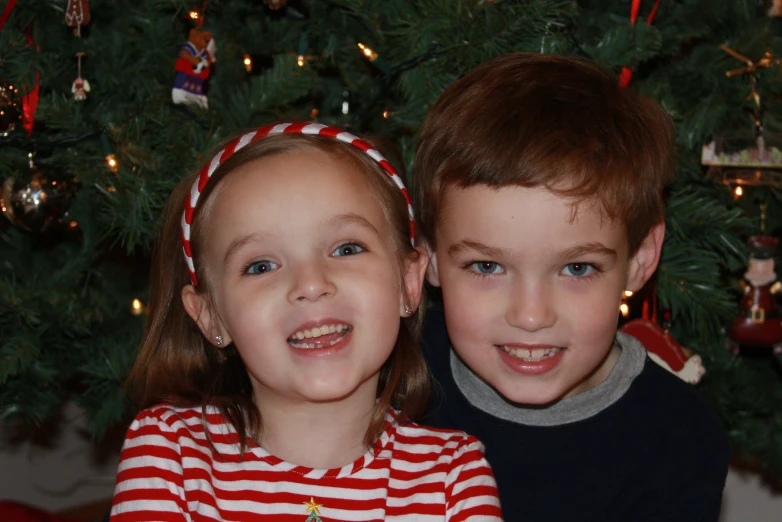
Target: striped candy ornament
column 314, row 129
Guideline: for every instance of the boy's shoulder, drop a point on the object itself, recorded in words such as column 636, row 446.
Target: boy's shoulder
column 671, row 406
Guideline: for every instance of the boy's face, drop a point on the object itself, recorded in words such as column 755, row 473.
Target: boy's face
column 532, row 290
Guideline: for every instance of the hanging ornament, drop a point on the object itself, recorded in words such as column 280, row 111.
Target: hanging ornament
column 275, row 4
column 10, row 109
column 661, row 345
column 746, row 158
column 77, row 14
column 36, row 204
column 775, row 8
column 759, row 324
column 80, row 86
column 193, row 67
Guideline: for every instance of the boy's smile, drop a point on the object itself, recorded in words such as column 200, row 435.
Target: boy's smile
column 531, row 288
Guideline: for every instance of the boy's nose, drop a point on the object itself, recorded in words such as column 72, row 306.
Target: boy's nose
column 531, row 307
column 311, row 282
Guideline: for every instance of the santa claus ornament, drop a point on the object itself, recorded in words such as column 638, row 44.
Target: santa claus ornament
column 662, row 348
column 758, row 324
column 665, row 351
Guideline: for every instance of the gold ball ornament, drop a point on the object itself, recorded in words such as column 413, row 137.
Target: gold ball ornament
column 35, row 204
column 10, row 108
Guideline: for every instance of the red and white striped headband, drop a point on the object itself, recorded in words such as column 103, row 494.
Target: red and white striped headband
column 314, row 129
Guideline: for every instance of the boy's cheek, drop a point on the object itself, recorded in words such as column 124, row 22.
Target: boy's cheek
column 467, row 308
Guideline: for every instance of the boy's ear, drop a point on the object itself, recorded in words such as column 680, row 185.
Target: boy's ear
column 645, row 260
column 432, row 273
column 199, row 310
column 415, row 268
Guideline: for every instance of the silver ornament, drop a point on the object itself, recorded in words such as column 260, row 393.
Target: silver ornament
column 36, row 204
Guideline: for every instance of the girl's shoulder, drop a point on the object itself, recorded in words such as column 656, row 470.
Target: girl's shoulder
column 426, row 439
column 176, row 423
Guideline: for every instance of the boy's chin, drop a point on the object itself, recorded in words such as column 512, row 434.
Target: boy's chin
column 533, row 398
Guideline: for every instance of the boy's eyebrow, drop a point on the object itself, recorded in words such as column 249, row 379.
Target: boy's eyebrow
column 587, row 248
column 468, row 244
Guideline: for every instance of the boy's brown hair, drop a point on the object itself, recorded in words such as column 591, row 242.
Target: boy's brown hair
column 177, row 365
column 528, row 119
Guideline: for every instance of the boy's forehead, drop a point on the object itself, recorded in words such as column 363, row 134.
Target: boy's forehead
column 511, row 201
column 518, row 212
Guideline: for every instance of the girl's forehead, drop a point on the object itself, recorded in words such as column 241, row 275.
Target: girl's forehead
column 291, row 169
column 301, row 187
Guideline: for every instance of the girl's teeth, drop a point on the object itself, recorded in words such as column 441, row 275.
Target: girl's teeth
column 316, row 332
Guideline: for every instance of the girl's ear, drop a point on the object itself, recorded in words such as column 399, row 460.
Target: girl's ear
column 198, row 308
column 414, row 270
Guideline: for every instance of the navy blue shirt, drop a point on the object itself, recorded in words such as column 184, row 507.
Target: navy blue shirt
column 656, row 454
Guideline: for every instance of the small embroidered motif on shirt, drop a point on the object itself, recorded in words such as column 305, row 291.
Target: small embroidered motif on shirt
column 313, row 511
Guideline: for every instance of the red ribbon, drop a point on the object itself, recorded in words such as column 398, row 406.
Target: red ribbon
column 7, row 12
column 203, row 14
column 29, row 100
column 650, row 302
column 627, row 73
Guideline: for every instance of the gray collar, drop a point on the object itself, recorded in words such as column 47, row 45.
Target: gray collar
column 565, row 411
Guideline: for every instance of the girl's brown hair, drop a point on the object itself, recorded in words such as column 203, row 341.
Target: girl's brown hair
column 177, row 365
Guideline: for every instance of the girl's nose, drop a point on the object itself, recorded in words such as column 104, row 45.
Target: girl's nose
column 311, row 282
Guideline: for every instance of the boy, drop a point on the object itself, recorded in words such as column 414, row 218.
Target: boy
column 539, row 192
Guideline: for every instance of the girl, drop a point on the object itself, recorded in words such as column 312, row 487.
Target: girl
column 279, row 367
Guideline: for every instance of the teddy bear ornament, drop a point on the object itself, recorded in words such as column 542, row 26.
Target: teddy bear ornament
column 193, row 67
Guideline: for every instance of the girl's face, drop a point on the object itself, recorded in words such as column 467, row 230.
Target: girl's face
column 304, row 276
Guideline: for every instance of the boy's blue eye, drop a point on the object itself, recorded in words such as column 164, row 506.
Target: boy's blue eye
column 348, row 249
column 487, row 267
column 261, row 267
column 578, row 269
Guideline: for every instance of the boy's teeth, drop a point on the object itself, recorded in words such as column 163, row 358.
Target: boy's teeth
column 531, row 355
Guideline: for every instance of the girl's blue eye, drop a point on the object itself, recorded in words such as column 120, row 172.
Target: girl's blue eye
column 578, row 269
column 487, row 267
column 261, row 267
column 348, row 249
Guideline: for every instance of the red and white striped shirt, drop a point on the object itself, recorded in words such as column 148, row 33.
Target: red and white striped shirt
column 168, row 471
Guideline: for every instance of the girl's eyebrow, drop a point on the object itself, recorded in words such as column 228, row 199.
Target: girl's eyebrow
column 240, row 242
column 337, row 221
column 354, row 219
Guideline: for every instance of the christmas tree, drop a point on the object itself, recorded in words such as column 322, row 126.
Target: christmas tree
column 86, row 170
